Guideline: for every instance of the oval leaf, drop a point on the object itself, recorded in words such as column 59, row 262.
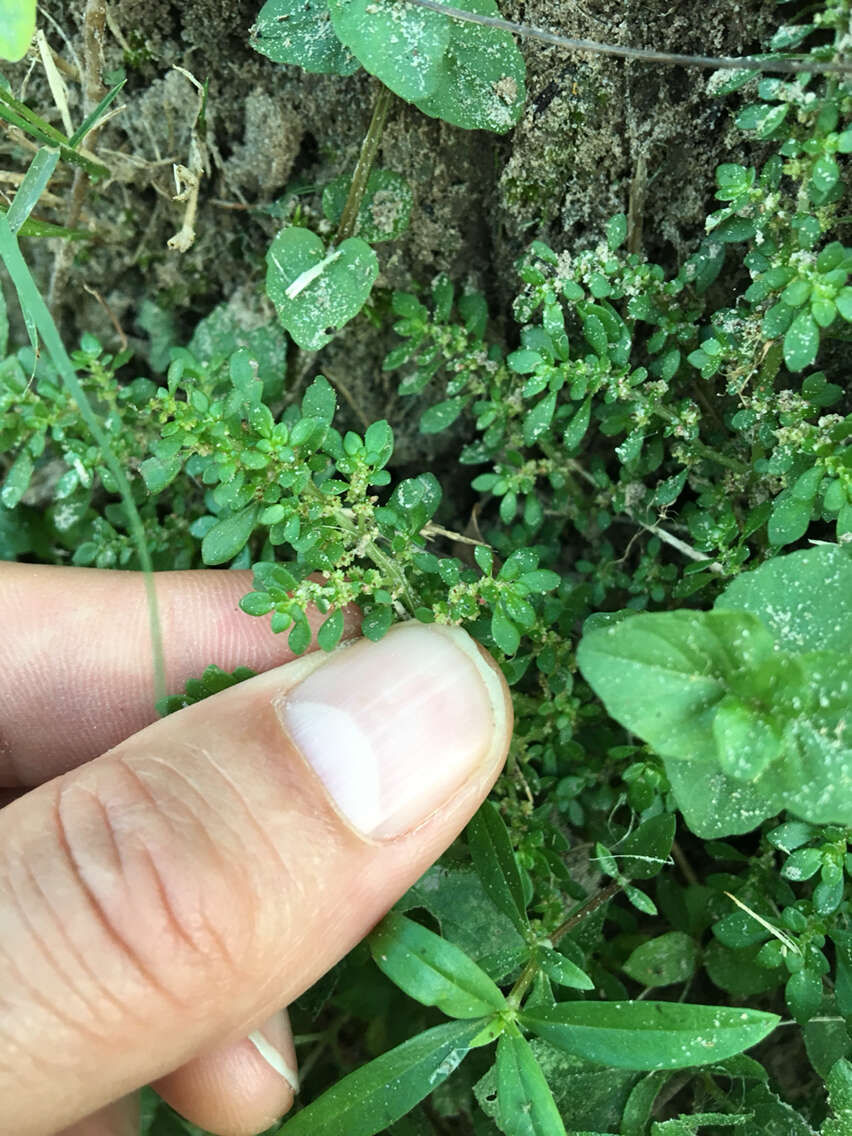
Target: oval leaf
column 299, row 31
column 228, row 536
column 649, row 1035
column 432, row 970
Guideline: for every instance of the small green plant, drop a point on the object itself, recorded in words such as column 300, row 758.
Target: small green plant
column 646, row 518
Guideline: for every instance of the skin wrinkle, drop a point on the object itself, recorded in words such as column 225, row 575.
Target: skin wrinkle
column 103, row 991
column 136, row 774
column 126, row 950
column 36, row 994
column 175, row 771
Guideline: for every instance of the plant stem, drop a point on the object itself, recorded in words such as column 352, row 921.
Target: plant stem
column 369, row 149
column 592, row 904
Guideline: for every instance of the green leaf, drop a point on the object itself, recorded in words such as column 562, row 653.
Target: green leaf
column 17, row 480
column 157, row 473
column 804, row 598
column 441, row 415
column 746, row 740
column 825, row 173
column 714, row 805
column 385, row 209
column 229, row 536
column 562, row 971
column 537, row 422
column 525, row 1105
column 495, row 863
column 329, row 634
column 801, row 342
column 17, row 28
column 577, row 426
column 616, row 231
column 643, row 853
column 433, row 970
column 402, row 45
column 595, row 333
column 789, row 519
column 319, row 401
column 663, row 675
column 378, row 1094
column 803, row 993
column 314, row 292
column 505, row 634
column 649, row 1035
column 481, row 79
column 669, row 958
column 300, row 32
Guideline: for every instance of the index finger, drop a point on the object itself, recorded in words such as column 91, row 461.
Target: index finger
column 76, row 656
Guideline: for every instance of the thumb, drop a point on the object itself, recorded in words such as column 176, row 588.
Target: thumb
column 168, row 897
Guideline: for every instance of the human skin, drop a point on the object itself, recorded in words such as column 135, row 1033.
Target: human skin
column 168, row 887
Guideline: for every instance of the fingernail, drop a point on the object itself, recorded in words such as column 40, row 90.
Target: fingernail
column 393, row 729
column 274, row 1042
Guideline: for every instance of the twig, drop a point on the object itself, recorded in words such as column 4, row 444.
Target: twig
column 596, row 901
column 713, row 62
column 119, row 330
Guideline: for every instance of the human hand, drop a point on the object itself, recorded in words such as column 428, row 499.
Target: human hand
column 163, row 901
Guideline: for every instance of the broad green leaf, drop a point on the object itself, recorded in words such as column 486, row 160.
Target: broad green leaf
column 525, row 1105
column 663, row 675
column 316, row 292
column 649, row 1035
column 495, row 863
column 433, row 970
column 747, row 741
column 300, row 32
column 839, row 1084
column 481, row 80
column 457, row 900
column 17, row 28
column 401, row 44
column 804, row 598
column 229, row 536
column 378, row 1094
column 663, row 961
column 715, row 805
column 385, row 210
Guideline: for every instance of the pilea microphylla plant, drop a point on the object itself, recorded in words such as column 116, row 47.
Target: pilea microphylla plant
column 647, row 520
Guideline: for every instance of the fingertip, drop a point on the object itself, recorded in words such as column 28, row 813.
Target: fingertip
column 239, row 1089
